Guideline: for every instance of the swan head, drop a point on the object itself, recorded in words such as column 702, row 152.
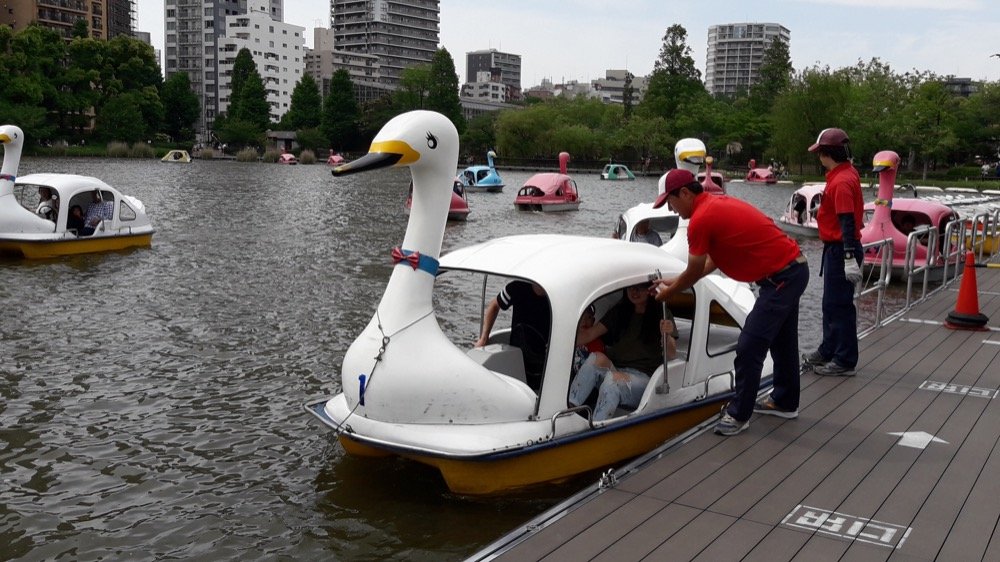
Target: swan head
column 11, row 135
column 416, row 139
column 689, row 154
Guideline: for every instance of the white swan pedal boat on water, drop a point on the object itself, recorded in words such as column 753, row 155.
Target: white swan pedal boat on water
column 24, row 232
column 408, row 390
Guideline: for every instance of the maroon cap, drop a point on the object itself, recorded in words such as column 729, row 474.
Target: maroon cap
column 673, row 180
column 830, row 137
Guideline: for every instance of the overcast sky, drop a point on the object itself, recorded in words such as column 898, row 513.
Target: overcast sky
column 580, row 39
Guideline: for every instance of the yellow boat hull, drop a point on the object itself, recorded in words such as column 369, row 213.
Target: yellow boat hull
column 549, row 463
column 55, row 248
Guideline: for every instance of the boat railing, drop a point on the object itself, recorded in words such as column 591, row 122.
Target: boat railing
column 910, row 268
column 878, row 286
column 585, row 409
column 984, row 232
column 956, row 238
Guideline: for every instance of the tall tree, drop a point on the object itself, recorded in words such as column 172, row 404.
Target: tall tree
column 306, row 110
column 773, row 76
column 414, row 84
column 243, row 67
column 674, row 78
column 183, row 108
column 628, row 92
column 442, row 91
column 340, row 112
column 120, row 118
column 816, row 99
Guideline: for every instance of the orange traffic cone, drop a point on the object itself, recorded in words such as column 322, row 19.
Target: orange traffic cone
column 966, row 315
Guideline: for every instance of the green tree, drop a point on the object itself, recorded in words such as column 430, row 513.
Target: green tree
column 816, row 99
column 243, row 67
column 340, row 112
column 774, row 75
column 306, row 110
column 31, row 62
column 442, row 90
column 628, row 93
column 414, row 85
column 674, row 76
column 931, row 114
column 121, row 119
column 184, row 107
column 479, row 135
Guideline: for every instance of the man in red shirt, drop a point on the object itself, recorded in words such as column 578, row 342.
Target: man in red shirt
column 839, row 221
column 733, row 236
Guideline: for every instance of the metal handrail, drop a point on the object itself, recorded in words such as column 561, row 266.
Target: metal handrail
column 910, row 268
column 885, row 252
column 573, row 410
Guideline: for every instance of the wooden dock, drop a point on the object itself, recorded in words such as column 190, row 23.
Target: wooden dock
column 900, row 462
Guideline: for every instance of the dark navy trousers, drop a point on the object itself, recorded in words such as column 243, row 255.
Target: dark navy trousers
column 772, row 325
column 840, row 317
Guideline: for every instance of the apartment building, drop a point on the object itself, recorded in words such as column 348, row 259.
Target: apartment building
column 278, row 50
column 401, row 33
column 193, row 31
column 735, row 53
column 106, row 19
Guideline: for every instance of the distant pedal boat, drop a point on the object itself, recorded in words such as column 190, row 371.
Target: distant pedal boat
column 24, row 233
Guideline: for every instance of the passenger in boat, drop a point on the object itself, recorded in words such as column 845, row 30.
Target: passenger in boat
column 734, row 237
column 839, row 220
column 531, row 321
column 643, row 233
column 587, row 321
column 907, row 224
column 75, row 220
column 98, row 210
column 800, row 209
column 48, row 204
column 633, row 331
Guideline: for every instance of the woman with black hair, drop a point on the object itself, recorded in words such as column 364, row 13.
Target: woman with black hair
column 633, row 331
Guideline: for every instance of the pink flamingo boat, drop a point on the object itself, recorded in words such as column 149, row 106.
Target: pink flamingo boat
column 760, row 175
column 716, row 182
column 335, row 159
column 288, row 158
column 886, row 218
column 459, row 209
column 549, row 192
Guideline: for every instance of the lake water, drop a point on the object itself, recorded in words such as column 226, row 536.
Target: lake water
column 150, row 400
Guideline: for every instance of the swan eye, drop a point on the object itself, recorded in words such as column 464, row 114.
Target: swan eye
column 432, row 141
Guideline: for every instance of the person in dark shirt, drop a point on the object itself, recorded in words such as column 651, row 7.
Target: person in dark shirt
column 75, row 219
column 531, row 320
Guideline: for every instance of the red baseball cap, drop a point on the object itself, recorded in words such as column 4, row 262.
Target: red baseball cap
column 674, row 180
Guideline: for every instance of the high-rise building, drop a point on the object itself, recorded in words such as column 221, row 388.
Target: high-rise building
column 365, row 71
column 401, row 33
column 278, row 50
column 735, row 53
column 497, row 67
column 192, row 33
column 106, row 19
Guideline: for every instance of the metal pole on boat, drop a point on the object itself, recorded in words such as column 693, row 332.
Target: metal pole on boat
column 664, row 387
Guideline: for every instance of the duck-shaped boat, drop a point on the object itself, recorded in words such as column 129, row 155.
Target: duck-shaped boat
column 716, row 178
column 615, row 172
column 759, row 175
column 288, row 159
column 482, row 178
column 900, row 220
column 85, row 215
column 459, row 208
column 799, row 218
column 177, row 156
column 549, row 192
column 409, row 391
column 335, row 159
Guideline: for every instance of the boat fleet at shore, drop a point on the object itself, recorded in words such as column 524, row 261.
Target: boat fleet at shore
column 406, row 389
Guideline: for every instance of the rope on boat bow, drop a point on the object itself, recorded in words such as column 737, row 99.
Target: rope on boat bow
column 364, row 381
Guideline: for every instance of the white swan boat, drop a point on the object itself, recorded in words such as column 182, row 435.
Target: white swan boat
column 408, row 390
column 24, row 233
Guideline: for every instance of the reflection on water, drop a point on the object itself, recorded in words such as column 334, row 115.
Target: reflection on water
column 150, row 401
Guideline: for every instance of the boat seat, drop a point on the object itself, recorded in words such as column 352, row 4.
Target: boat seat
column 502, row 358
